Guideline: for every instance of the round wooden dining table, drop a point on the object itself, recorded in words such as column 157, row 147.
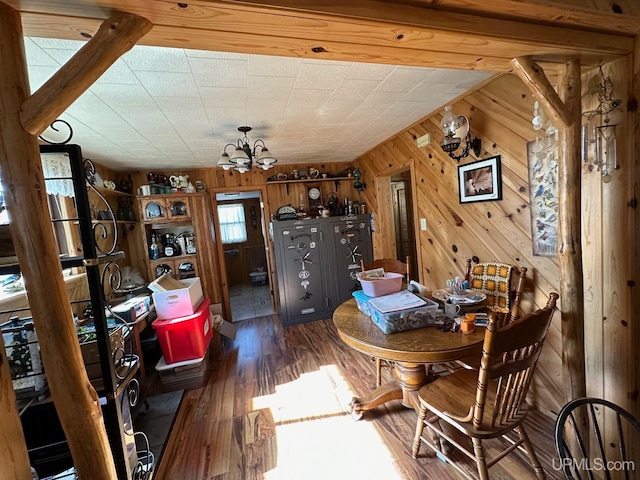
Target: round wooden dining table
column 410, row 351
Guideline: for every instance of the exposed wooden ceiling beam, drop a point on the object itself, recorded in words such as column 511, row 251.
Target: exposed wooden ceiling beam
column 621, row 17
column 533, row 76
column 116, row 36
column 370, row 31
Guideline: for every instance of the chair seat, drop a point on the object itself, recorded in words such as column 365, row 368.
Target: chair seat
column 452, row 398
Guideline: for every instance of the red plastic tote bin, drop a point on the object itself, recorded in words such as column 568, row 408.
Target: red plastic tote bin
column 185, row 338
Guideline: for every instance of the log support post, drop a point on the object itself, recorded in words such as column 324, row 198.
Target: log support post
column 75, row 399
column 565, row 110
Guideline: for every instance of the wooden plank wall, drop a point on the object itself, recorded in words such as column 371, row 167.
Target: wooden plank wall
column 612, row 354
column 500, row 113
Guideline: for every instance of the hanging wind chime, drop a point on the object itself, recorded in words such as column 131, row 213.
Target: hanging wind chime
column 603, row 136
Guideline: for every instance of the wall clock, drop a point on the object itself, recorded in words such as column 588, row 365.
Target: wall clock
column 314, row 193
column 315, row 198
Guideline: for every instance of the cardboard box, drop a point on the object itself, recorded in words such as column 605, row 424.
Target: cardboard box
column 91, row 355
column 223, row 327
column 164, row 283
column 179, row 302
column 185, row 375
column 130, row 310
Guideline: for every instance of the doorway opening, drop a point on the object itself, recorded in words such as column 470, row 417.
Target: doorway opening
column 245, row 262
column 403, row 219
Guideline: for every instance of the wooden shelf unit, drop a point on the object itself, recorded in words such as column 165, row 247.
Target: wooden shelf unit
column 197, row 218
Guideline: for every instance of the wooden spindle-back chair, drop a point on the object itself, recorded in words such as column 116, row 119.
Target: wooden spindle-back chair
column 489, row 403
column 503, row 285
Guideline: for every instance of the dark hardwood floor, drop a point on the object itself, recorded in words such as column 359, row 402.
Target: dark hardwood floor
column 276, row 408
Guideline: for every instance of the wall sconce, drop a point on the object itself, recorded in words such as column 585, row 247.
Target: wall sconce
column 603, row 136
column 455, row 128
column 357, row 184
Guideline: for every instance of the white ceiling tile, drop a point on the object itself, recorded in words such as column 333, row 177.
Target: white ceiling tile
column 352, row 89
column 322, row 61
column 119, row 95
column 181, row 106
column 155, row 106
column 382, row 98
column 318, row 76
column 269, row 87
column 227, row 118
column 369, row 71
column 209, row 72
column 60, row 55
column 38, row 57
column 164, row 138
column 210, row 54
column 119, row 72
column 156, row 59
column 403, row 109
column 169, row 84
column 39, row 75
column 308, row 98
column 224, row 97
column 428, row 90
column 404, row 79
column 58, row 44
column 268, row 66
column 363, row 116
column 261, row 109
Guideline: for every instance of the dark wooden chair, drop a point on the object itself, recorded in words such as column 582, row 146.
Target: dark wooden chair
column 489, row 403
column 389, row 265
column 604, row 445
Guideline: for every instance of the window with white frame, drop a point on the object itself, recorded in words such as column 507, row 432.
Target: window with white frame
column 233, row 228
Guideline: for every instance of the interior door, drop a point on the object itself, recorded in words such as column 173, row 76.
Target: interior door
column 403, row 220
column 236, row 265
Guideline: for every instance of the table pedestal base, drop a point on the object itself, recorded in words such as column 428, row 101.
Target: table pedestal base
column 409, row 377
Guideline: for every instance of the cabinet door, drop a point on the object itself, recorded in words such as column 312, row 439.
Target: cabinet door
column 301, row 271
column 164, row 265
column 350, row 240
column 177, row 207
column 186, row 268
column 153, row 209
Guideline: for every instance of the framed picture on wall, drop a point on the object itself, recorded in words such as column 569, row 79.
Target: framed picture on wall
column 542, row 156
column 480, row 181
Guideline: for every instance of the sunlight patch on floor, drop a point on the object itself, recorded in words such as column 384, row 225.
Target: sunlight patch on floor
column 316, row 436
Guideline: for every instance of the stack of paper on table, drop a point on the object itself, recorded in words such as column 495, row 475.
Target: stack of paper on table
column 397, row 301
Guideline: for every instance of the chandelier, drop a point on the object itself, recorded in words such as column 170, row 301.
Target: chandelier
column 241, row 160
column 455, row 129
